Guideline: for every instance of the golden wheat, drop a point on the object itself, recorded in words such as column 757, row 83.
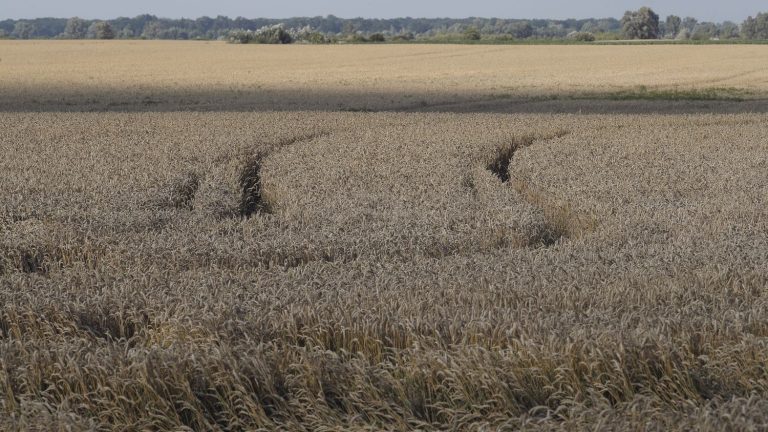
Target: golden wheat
column 318, row 270
column 130, row 75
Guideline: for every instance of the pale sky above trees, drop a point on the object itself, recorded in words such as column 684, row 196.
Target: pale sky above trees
column 704, row 10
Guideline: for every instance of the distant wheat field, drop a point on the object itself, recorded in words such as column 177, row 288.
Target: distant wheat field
column 198, row 75
column 200, row 236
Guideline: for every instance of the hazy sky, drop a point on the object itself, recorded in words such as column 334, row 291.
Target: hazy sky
column 706, row 10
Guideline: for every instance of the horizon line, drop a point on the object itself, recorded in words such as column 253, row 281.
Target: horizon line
column 345, row 18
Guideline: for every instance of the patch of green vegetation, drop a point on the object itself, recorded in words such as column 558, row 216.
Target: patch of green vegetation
column 492, row 41
column 682, row 42
column 356, row 109
column 459, row 40
column 644, row 93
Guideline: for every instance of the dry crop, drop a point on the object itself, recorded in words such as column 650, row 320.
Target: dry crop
column 173, row 75
column 319, row 270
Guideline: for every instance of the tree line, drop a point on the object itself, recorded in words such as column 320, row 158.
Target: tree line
column 644, row 23
column 640, row 24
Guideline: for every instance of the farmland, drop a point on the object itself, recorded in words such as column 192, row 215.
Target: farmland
column 203, row 236
column 171, row 76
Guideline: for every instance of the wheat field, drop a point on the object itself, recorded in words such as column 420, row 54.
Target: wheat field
column 512, row 265
column 173, row 75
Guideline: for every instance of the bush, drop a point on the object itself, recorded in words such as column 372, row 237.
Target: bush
column 266, row 35
column 377, row 37
column 581, row 36
column 472, row 34
column 240, row 36
column 312, row 37
column 404, row 37
column 356, row 38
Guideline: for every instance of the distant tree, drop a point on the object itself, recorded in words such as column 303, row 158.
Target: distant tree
column 683, row 34
column 91, row 34
column 590, row 26
column 3, row 34
column 243, row 23
column 640, row 24
column 690, row 23
column 705, row 31
column 471, row 33
column 755, row 28
column 103, row 30
column 349, row 27
column 152, row 30
column 608, row 25
column 126, row 32
column 204, row 24
column 729, row 30
column 40, row 27
column 24, row 30
column 140, row 23
column 172, row 33
column 521, row 30
column 222, row 23
column 672, row 26
column 552, row 29
column 76, row 28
